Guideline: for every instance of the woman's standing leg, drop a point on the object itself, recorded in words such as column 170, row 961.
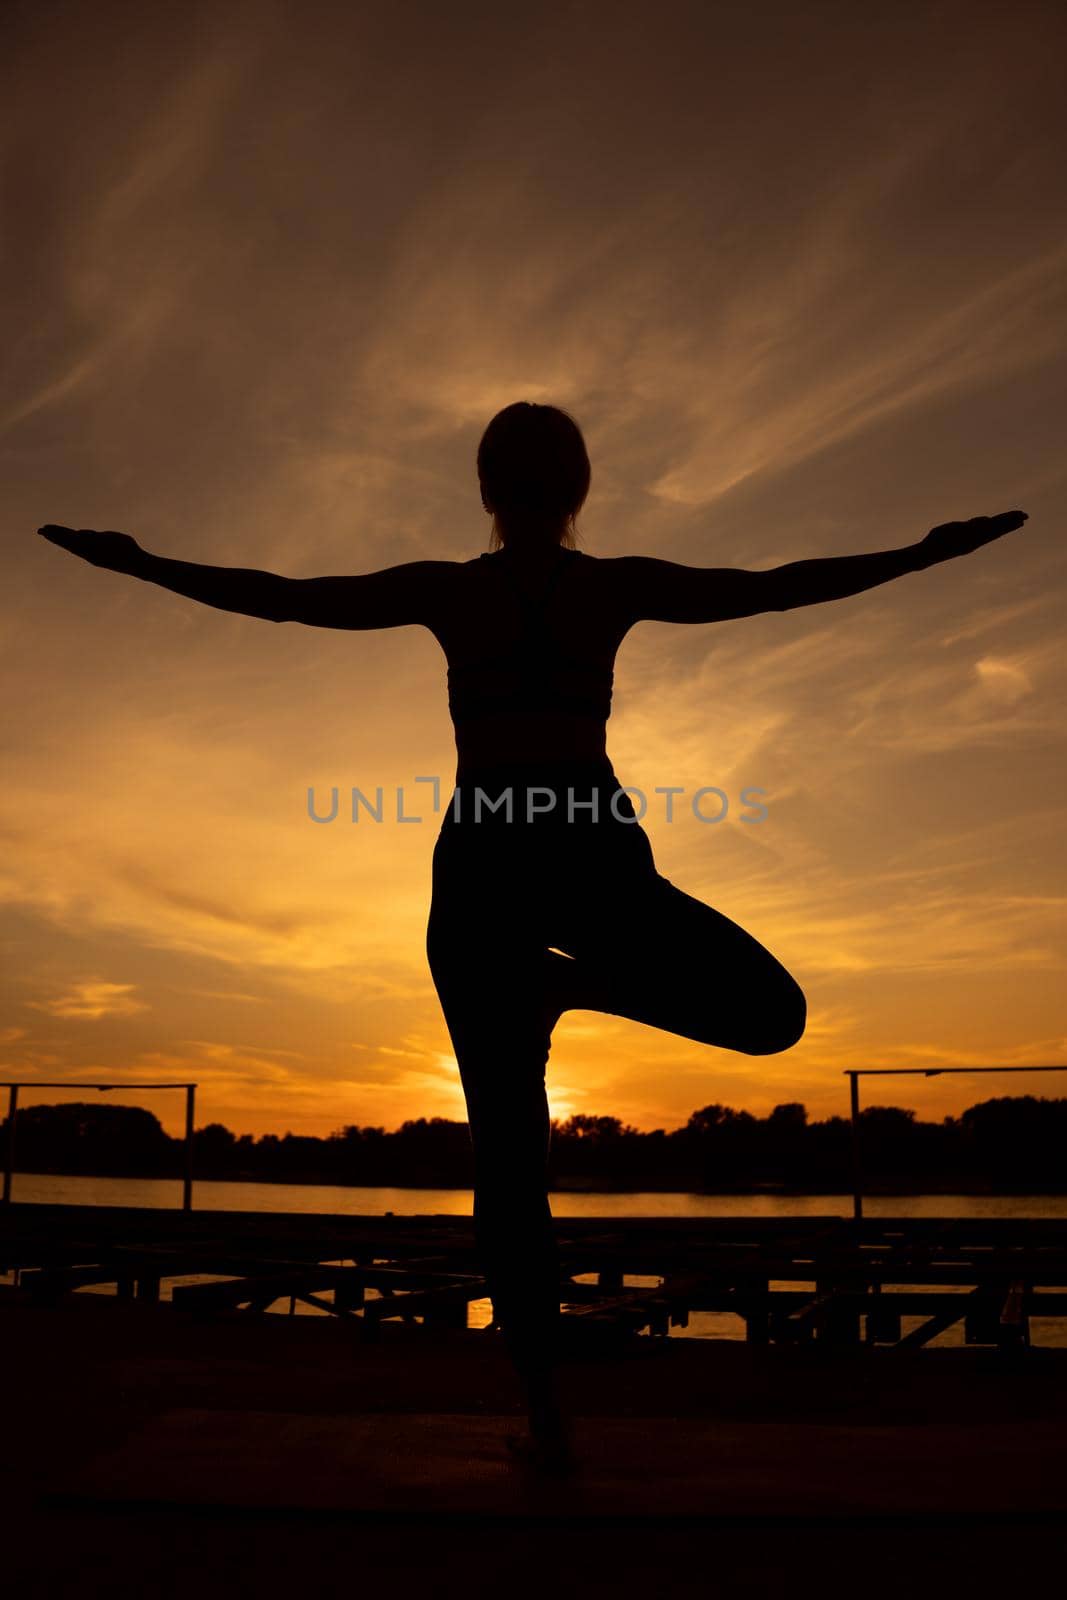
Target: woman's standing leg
column 489, row 970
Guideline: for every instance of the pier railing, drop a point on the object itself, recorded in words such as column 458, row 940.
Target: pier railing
column 855, row 1073
column 852, row 1073
column 13, row 1087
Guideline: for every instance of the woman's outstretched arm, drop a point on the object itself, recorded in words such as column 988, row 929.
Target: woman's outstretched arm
column 664, row 591
column 390, row 598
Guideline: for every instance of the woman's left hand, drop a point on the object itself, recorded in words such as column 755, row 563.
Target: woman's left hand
column 118, row 551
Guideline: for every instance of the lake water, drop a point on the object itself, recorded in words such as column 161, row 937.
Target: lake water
column 50, row 1189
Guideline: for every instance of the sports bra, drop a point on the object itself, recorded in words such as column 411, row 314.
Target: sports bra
column 535, row 674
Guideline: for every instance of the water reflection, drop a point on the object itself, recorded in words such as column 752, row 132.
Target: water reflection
column 51, row 1189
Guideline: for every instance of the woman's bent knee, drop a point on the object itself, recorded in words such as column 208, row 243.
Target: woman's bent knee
column 782, row 1025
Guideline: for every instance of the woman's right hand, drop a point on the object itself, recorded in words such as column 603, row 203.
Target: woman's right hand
column 960, row 538
column 117, row 551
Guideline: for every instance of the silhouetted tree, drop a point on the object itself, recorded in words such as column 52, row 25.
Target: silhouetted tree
column 1006, row 1142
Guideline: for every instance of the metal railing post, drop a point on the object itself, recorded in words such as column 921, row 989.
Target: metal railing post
column 187, row 1192
column 857, row 1171
column 9, row 1160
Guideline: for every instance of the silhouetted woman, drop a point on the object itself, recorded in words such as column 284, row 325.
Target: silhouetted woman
column 545, row 895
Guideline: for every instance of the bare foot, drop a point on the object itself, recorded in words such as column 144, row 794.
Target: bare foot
column 547, row 1445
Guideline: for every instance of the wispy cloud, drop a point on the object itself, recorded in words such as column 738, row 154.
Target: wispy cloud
column 92, row 999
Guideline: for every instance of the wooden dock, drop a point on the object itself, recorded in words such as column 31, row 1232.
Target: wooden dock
column 157, row 1447
column 832, row 1280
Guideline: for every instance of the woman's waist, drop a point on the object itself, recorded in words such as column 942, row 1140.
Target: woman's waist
column 555, row 775
column 575, row 792
column 530, row 740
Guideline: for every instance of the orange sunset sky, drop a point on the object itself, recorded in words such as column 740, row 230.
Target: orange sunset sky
column 800, row 274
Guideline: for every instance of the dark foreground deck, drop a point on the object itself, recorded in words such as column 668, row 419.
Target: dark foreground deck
column 152, row 1448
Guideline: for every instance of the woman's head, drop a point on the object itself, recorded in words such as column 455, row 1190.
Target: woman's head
column 534, row 474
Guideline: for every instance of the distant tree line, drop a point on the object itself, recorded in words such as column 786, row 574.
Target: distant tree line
column 1006, row 1144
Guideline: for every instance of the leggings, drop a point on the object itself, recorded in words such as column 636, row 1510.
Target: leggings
column 559, row 907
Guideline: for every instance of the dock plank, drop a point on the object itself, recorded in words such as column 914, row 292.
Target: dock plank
column 648, row 1467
